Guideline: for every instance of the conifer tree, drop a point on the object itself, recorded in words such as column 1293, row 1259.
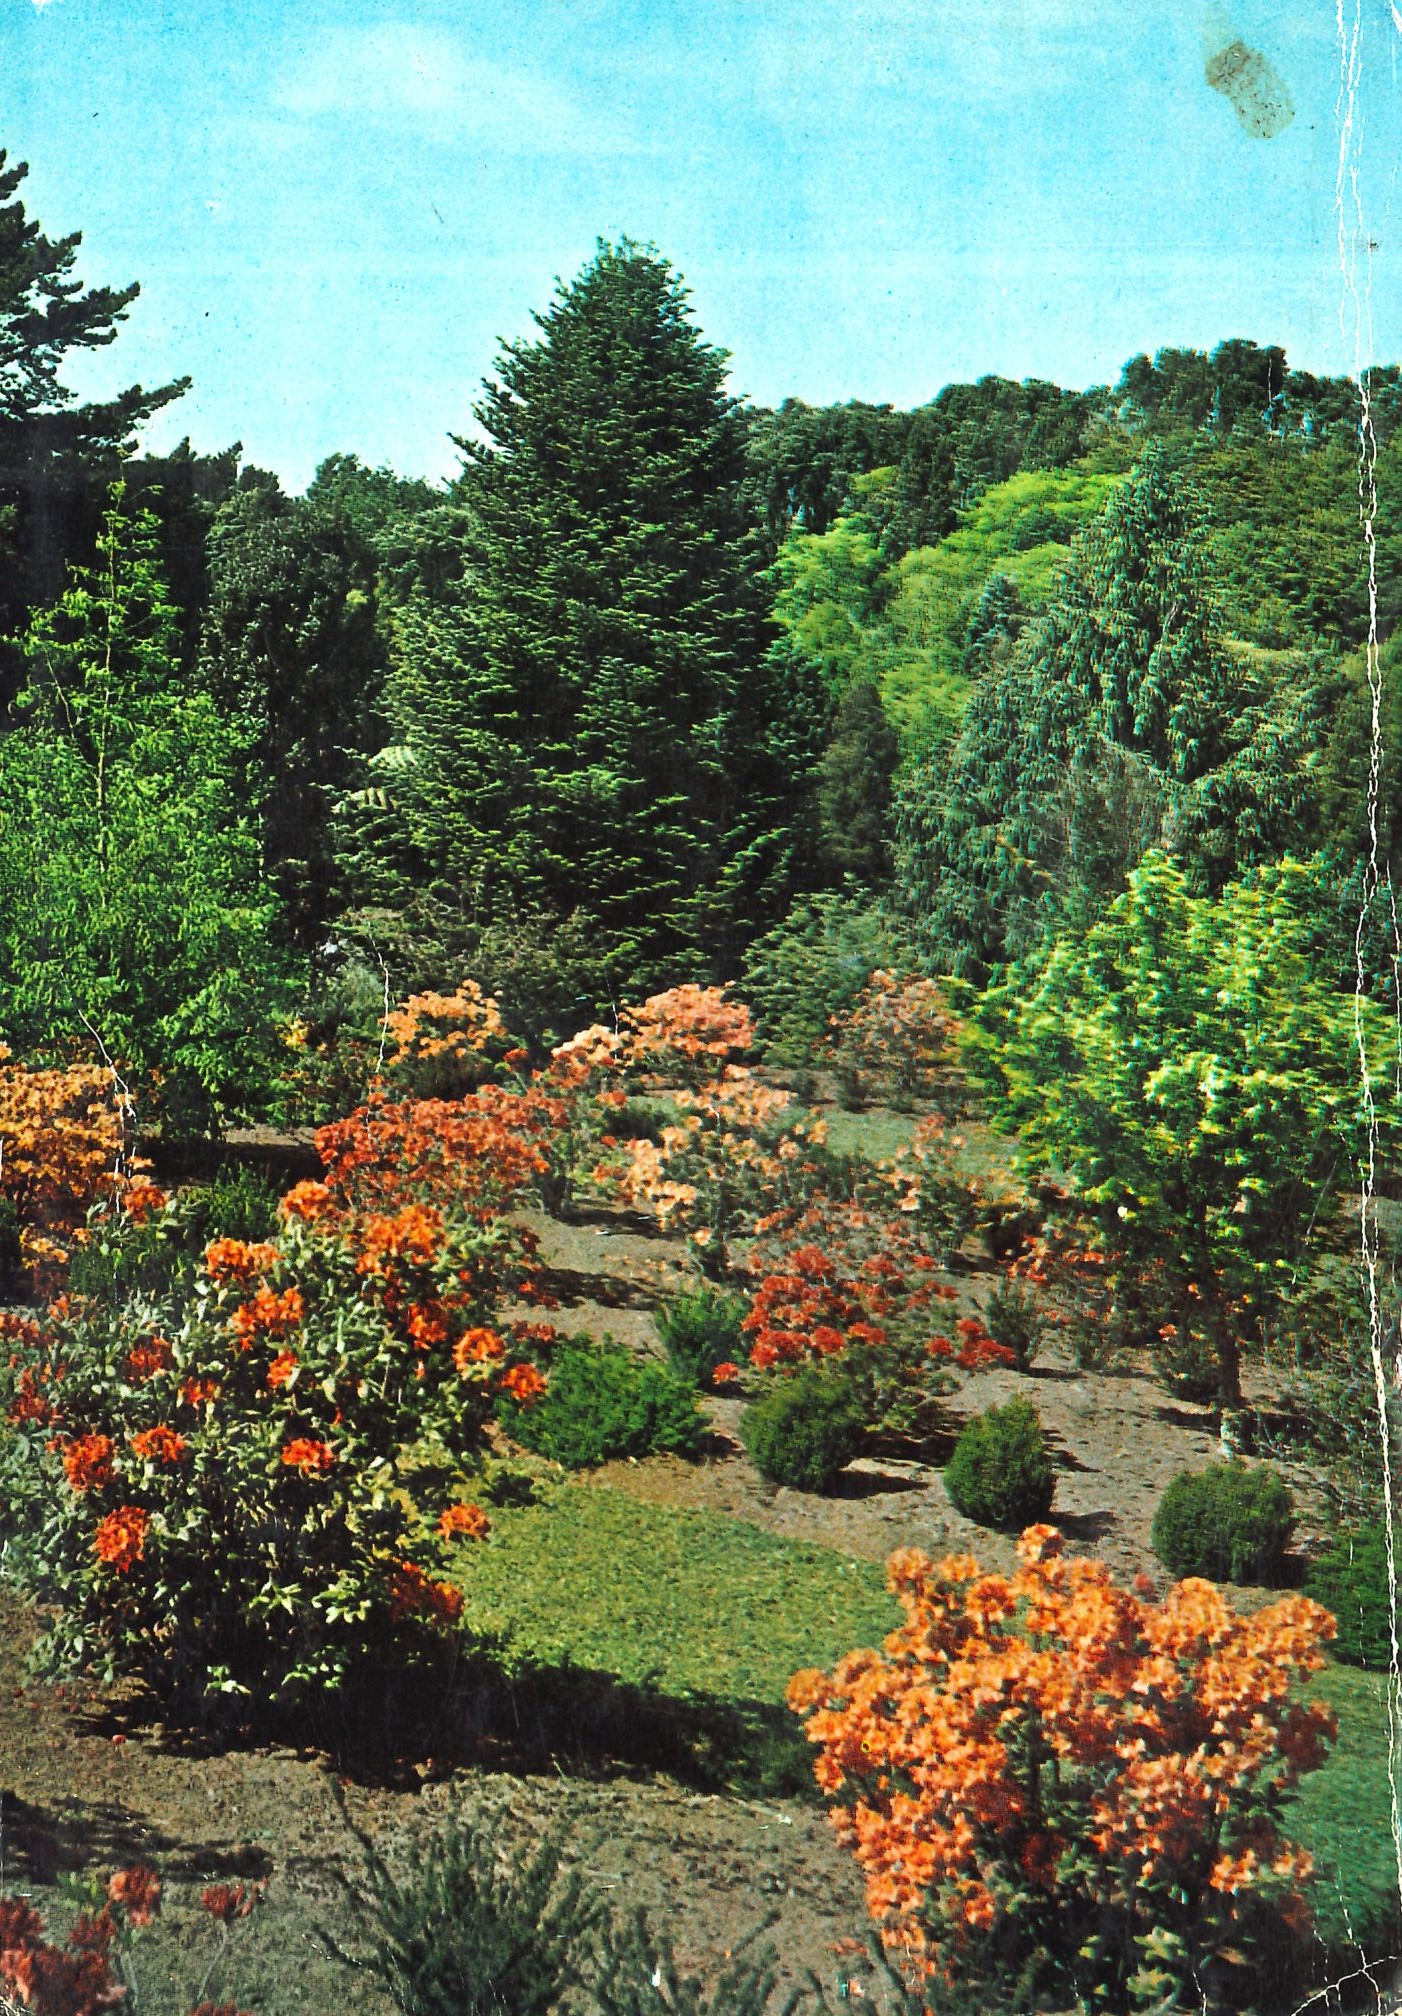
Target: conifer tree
column 1119, row 721
column 588, row 709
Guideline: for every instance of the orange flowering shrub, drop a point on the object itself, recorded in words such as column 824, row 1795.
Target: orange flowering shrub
column 65, row 1136
column 441, row 1044
column 897, row 1039
column 688, row 1032
column 213, row 1488
column 1049, row 1775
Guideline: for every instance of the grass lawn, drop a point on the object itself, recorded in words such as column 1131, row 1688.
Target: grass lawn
column 1343, row 1815
column 687, row 1602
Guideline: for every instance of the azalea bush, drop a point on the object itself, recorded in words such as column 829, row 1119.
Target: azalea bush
column 897, row 1039
column 240, row 1488
column 93, row 1969
column 1045, row 1775
column 65, row 1140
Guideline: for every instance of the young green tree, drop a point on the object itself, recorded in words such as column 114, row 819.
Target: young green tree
column 1189, row 1069
column 588, row 706
column 132, row 905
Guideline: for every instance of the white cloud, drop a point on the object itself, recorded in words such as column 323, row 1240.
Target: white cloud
column 425, row 79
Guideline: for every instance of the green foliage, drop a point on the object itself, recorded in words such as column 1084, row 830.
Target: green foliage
column 1189, row 1069
column 465, row 1930
column 1013, row 1320
column 51, row 446
column 1119, row 723
column 291, row 646
column 1000, row 1472
column 1342, row 1814
column 1352, row 1581
column 602, row 1403
column 805, row 1430
column 131, row 899
column 635, row 1973
column 119, row 1261
column 586, row 703
column 809, row 970
column 700, row 1329
column 1228, row 1522
column 852, row 789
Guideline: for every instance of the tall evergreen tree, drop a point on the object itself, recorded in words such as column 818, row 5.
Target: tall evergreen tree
column 588, row 707
column 50, row 442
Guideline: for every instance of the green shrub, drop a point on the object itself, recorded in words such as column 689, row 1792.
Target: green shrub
column 805, row 1430
column 1001, row 1470
column 700, row 1330
column 601, row 1403
column 1228, row 1523
column 1012, row 1320
column 811, row 968
column 1352, row 1581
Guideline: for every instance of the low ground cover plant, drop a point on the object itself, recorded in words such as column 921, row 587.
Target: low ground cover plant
column 601, row 1403
column 1230, row 1522
column 1044, row 1775
column 1001, row 1471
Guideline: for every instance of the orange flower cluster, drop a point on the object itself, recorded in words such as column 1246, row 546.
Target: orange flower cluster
column 235, row 1260
column 142, row 1199
column 481, row 1152
column 309, row 1201
column 312, row 1457
column 64, row 1134
column 137, row 1891
column 975, row 1348
column 226, row 1901
column 463, row 1522
column 119, row 1540
column 897, row 1035
column 87, row 1463
column 411, row 1238
column 686, row 1026
column 478, row 1346
column 463, row 1024
column 267, row 1315
column 524, row 1383
column 198, row 1392
column 1051, row 1738
column 283, row 1369
column 158, row 1445
column 412, row 1593
column 151, row 1356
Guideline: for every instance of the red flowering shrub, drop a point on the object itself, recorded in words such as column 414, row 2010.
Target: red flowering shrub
column 214, row 1493
column 1049, row 1775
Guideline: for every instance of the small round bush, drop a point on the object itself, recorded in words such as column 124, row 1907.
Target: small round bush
column 1228, row 1523
column 1001, row 1471
column 700, row 1330
column 805, row 1430
column 602, row 1402
column 1352, row 1581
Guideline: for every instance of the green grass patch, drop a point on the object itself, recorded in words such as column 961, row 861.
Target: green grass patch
column 1343, row 1814
column 877, row 1135
column 691, row 1603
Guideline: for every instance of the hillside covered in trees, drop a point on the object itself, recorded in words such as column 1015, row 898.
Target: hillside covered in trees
column 659, row 678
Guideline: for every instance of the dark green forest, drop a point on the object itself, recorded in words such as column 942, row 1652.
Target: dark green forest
column 663, row 686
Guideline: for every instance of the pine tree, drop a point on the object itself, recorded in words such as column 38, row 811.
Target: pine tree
column 590, row 715
column 49, row 442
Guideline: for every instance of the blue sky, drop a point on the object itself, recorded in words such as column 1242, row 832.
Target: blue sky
column 336, row 207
